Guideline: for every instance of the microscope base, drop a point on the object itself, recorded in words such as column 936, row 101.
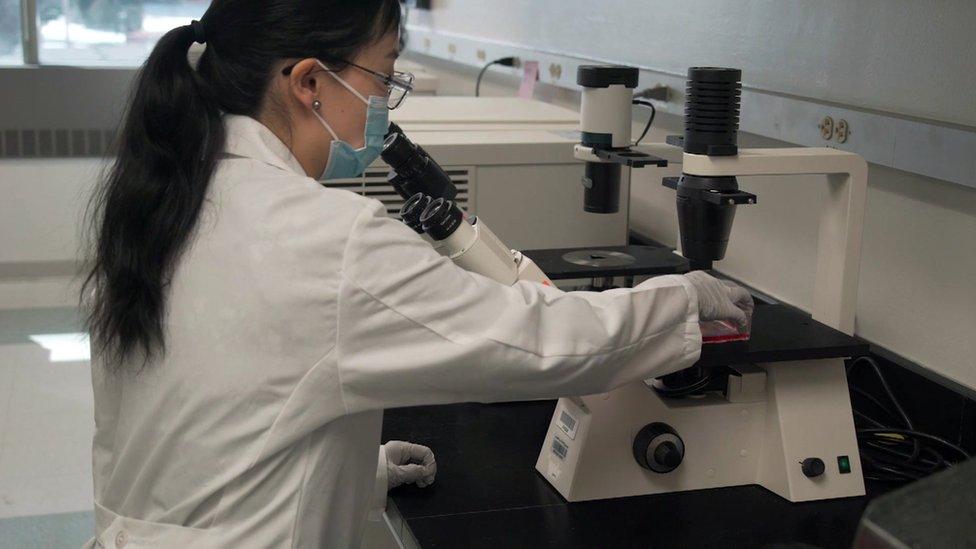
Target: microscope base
column 773, row 417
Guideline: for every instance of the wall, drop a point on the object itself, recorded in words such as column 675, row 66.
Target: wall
column 918, row 271
column 903, row 56
column 919, row 265
column 40, row 238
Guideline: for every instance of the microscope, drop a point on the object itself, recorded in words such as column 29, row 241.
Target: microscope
column 774, row 410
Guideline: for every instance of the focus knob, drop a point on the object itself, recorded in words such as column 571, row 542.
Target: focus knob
column 667, row 454
column 813, row 467
column 658, row 448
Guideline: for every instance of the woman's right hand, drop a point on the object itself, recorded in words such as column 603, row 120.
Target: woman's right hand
column 721, row 300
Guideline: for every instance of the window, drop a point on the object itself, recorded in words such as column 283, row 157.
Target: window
column 116, row 33
column 107, row 32
column 11, row 33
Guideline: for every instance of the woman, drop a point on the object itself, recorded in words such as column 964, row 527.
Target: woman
column 249, row 326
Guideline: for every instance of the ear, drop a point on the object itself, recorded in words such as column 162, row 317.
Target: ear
column 305, row 83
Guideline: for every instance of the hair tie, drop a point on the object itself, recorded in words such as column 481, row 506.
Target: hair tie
column 199, row 34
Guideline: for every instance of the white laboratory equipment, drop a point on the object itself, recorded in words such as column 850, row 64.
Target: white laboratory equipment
column 452, row 113
column 783, row 422
column 522, row 180
column 786, row 426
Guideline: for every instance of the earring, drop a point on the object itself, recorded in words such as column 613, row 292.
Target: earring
column 316, row 105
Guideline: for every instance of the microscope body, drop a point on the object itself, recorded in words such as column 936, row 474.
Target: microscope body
column 788, row 425
column 469, row 243
column 780, row 425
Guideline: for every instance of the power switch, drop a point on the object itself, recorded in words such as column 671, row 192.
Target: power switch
column 813, row 467
column 844, row 464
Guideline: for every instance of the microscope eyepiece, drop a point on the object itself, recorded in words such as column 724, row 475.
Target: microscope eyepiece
column 441, row 218
column 415, row 170
column 397, row 149
column 412, row 209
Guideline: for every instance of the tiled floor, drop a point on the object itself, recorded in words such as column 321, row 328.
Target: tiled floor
column 46, row 428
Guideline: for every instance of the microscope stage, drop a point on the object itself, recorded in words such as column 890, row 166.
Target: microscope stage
column 564, row 264
column 780, row 333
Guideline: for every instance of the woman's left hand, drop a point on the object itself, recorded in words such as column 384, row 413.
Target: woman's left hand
column 408, row 463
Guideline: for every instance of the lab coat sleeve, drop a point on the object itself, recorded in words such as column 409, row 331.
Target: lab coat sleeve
column 415, row 329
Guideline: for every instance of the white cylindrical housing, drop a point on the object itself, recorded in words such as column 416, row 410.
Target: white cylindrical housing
column 528, row 270
column 608, row 111
column 476, row 249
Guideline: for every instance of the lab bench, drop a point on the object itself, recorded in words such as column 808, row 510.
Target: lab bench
column 488, row 493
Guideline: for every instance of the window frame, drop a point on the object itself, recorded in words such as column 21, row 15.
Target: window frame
column 28, row 33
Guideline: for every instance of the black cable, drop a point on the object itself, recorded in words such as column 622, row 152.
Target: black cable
column 907, row 422
column 916, row 434
column 886, row 387
column 897, row 453
column 649, row 120
column 874, row 400
column 505, row 61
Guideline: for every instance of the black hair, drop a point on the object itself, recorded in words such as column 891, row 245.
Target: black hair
column 146, row 209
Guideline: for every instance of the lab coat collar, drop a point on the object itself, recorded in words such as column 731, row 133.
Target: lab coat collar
column 248, row 138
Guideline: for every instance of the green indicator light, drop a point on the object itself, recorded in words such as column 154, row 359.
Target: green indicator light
column 844, row 464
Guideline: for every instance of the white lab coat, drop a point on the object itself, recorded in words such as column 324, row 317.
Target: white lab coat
column 297, row 314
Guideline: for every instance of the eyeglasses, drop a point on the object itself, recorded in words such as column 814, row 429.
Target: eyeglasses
column 398, row 85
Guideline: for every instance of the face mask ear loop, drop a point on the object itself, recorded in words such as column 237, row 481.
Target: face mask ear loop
column 345, row 84
column 325, row 125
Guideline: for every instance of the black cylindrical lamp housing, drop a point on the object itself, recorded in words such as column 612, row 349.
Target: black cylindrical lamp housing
column 712, row 111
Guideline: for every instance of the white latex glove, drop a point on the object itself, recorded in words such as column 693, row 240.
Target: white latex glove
column 721, row 299
column 408, row 463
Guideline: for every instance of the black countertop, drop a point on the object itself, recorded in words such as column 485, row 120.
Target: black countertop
column 488, row 494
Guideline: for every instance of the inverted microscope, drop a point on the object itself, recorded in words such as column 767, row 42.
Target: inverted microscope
column 773, row 410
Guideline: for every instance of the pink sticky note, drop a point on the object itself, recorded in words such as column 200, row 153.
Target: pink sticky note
column 530, row 75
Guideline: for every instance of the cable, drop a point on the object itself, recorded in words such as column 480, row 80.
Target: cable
column 649, row 120
column 908, row 433
column 505, row 61
column 897, row 453
column 873, row 400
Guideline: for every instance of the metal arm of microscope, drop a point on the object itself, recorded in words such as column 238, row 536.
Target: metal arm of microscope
column 841, row 219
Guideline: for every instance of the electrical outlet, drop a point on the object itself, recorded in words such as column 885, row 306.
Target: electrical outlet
column 555, row 71
column 482, row 55
column 827, row 128
column 842, row 131
column 452, row 48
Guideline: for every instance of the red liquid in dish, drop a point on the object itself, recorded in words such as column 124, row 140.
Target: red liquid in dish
column 719, row 331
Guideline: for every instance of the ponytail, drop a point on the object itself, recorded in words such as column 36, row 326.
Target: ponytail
column 149, row 205
column 145, row 212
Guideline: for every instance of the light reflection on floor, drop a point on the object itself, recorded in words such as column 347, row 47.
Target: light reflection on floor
column 46, row 429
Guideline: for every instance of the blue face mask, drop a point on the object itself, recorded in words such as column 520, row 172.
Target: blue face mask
column 344, row 160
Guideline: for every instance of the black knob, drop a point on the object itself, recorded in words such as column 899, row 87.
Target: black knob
column 813, row 467
column 667, row 454
column 658, row 447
